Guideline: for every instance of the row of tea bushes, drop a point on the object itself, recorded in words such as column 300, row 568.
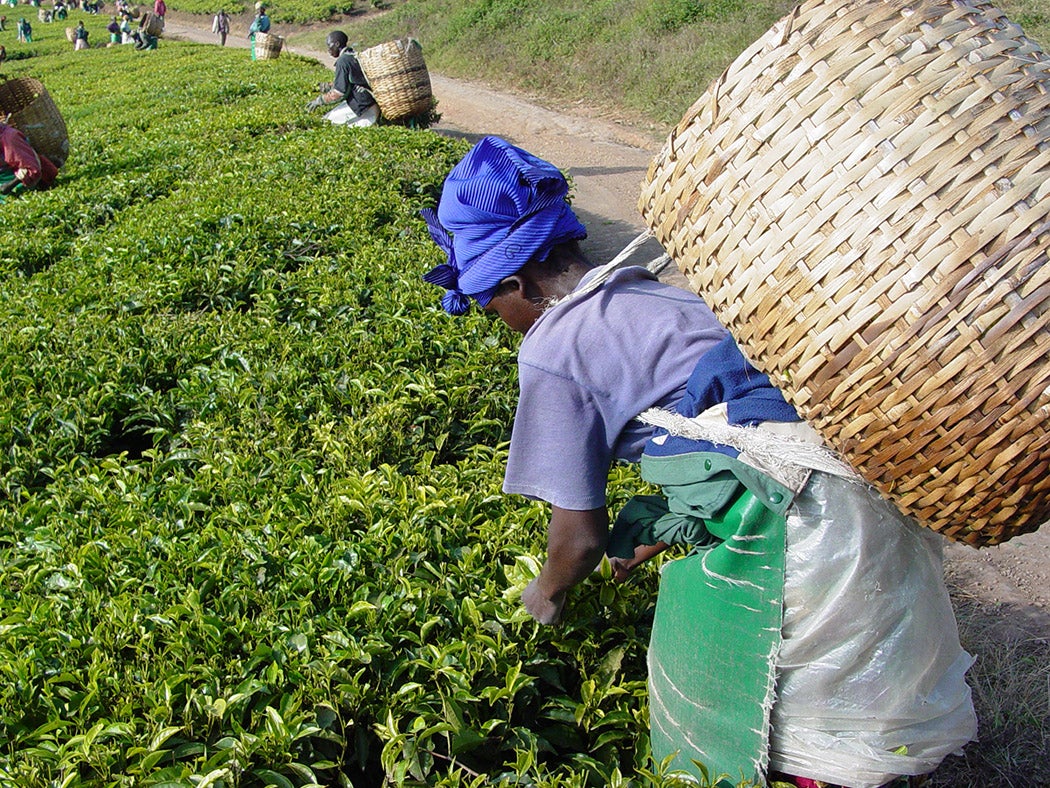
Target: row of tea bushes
column 251, row 527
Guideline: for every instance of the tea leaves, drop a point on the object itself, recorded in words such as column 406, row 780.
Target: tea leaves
column 251, row 527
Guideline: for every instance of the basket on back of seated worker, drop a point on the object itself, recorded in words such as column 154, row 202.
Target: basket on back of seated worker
column 348, row 96
column 21, row 167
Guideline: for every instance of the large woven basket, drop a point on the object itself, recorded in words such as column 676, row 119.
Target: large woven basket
column 863, row 198
column 398, row 78
column 71, row 34
column 152, row 24
column 33, row 112
column 268, row 46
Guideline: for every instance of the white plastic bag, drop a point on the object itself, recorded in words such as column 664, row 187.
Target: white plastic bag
column 870, row 673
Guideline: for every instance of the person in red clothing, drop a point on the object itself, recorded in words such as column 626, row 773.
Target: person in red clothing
column 160, row 8
column 21, row 167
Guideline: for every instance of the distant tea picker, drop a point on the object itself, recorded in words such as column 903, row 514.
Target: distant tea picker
column 261, row 24
column 349, row 96
column 21, row 167
column 387, row 82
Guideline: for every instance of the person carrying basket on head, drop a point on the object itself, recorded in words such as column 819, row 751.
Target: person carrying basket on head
column 348, row 97
column 807, row 635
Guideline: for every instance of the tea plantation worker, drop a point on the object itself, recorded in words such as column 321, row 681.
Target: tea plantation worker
column 80, row 36
column 145, row 40
column 348, row 95
column 261, row 24
column 220, row 25
column 113, row 28
column 160, row 8
column 808, row 632
column 21, row 167
column 25, row 31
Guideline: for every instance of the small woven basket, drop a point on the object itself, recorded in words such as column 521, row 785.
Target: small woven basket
column 33, row 112
column 398, row 78
column 43, row 15
column 268, row 46
column 152, row 24
column 863, row 198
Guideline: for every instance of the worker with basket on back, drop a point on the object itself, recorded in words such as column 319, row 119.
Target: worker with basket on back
column 349, row 96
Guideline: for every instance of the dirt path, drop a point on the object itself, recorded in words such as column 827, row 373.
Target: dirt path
column 1007, row 587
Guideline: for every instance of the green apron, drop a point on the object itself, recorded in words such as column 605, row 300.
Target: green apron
column 6, row 176
column 717, row 631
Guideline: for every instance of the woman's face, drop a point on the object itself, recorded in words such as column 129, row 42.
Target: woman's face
column 514, row 305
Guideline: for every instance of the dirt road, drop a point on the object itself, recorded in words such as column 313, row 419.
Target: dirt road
column 1006, row 587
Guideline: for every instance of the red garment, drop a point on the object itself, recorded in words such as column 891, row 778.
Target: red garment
column 48, row 173
column 19, row 155
column 160, row 8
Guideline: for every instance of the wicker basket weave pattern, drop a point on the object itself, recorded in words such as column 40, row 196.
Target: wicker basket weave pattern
column 863, row 198
column 268, row 46
column 398, row 78
column 152, row 24
column 33, row 112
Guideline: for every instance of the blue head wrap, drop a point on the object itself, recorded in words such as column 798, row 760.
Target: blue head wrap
column 500, row 207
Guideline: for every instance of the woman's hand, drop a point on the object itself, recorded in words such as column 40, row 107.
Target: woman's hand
column 575, row 544
column 623, row 567
column 543, row 607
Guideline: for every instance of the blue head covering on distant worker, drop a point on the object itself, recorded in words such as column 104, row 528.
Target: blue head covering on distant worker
column 500, row 208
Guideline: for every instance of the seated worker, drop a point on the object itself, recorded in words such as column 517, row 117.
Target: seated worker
column 80, row 36
column 21, row 167
column 348, row 95
column 261, row 24
column 808, row 634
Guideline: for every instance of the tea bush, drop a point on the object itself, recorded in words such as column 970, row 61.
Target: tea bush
column 251, row 527
column 287, row 11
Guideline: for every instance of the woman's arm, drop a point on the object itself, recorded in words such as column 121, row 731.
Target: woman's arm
column 622, row 567
column 575, row 545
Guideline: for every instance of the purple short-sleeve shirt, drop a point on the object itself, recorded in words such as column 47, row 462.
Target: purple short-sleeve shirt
column 586, row 369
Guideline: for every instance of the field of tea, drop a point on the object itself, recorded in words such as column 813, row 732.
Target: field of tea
column 251, row 530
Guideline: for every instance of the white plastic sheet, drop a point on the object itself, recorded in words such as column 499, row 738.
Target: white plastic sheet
column 870, row 673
